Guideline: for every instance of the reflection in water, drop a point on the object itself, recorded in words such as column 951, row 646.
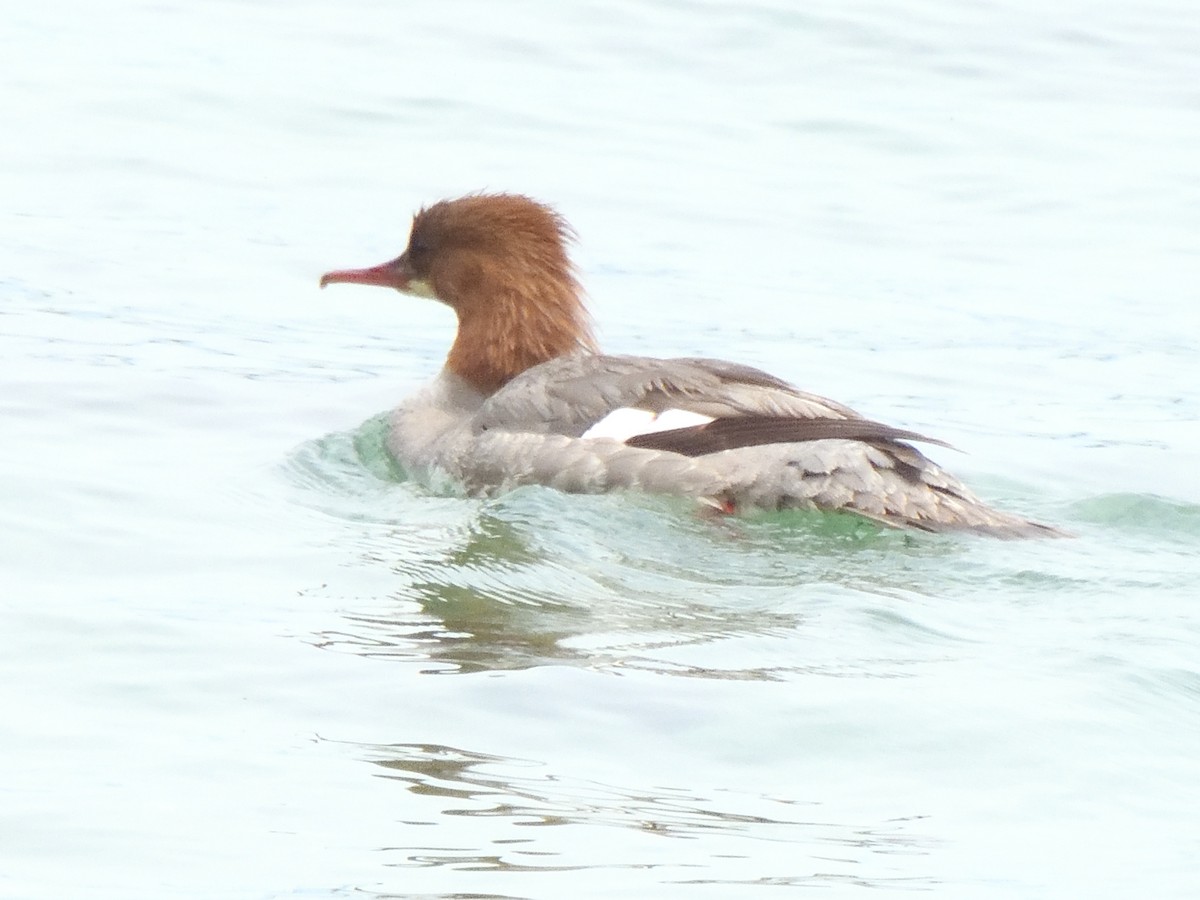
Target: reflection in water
column 611, row 582
column 764, row 833
column 499, row 601
column 619, row 587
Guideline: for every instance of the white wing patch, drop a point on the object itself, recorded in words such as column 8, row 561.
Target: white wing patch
column 626, row 422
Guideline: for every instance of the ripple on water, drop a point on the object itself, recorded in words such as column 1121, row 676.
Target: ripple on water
column 630, row 581
column 1159, row 516
column 749, row 833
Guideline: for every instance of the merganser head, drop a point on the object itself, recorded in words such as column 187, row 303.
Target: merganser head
column 500, row 262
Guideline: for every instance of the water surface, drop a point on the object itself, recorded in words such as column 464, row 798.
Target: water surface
column 245, row 656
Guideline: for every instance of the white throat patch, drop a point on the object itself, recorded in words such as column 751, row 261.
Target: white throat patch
column 419, row 287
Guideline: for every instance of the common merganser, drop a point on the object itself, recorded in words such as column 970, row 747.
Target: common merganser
column 526, row 397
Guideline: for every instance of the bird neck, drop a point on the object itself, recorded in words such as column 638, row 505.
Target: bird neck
column 506, row 331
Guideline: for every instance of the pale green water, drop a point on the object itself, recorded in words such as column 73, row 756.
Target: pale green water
column 245, row 657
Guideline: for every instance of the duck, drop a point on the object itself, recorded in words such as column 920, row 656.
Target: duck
column 526, row 397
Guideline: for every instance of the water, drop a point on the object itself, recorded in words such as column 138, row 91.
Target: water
column 244, row 657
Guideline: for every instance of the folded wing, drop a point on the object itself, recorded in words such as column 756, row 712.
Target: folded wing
column 569, row 395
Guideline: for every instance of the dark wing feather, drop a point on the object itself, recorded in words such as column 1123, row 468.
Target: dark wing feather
column 750, row 431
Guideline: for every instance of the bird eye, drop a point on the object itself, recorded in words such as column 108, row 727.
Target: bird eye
column 418, row 252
